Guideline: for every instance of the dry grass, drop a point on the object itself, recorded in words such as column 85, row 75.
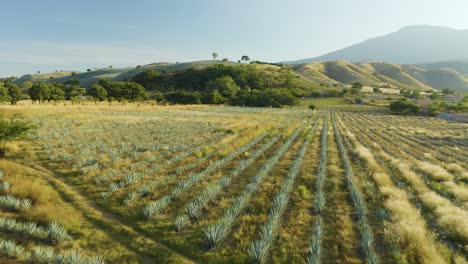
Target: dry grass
column 435, row 171
column 450, row 217
column 406, row 226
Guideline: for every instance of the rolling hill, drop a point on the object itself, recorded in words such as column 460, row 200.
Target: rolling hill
column 421, row 77
column 409, row 45
column 380, row 73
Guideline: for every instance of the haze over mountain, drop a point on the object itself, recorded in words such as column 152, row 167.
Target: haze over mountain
column 409, row 45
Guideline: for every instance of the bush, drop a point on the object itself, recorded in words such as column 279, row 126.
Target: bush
column 98, row 92
column 312, row 107
column 11, row 129
column 404, row 107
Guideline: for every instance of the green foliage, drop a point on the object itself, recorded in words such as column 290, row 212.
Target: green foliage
column 146, row 78
column 13, row 128
column 72, row 91
column 44, row 91
column 4, row 97
column 404, row 107
column 225, row 86
column 124, row 90
column 98, row 92
column 434, row 96
column 213, row 97
column 312, row 107
column 266, row 98
column 15, row 93
column 181, row 97
column 357, row 86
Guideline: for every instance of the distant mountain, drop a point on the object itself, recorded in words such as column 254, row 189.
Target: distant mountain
column 409, row 45
column 380, row 73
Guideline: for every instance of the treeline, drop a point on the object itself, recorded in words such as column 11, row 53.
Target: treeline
column 235, row 85
column 71, row 90
column 245, row 85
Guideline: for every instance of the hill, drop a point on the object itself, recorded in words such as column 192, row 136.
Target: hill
column 383, row 74
column 42, row 76
column 306, row 76
column 409, row 45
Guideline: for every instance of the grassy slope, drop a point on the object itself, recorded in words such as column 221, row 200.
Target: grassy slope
column 377, row 73
column 42, row 76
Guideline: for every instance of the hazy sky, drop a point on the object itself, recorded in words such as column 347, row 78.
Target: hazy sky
column 51, row 35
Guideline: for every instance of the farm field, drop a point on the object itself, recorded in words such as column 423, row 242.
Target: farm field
column 140, row 183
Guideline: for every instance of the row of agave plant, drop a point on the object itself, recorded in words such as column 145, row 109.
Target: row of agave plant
column 155, row 207
column 132, row 168
column 209, row 193
column 182, row 151
column 45, row 255
column 258, row 250
column 54, row 232
column 4, row 185
column 131, row 178
column 319, row 203
column 367, row 237
column 83, row 153
column 12, row 203
column 216, row 233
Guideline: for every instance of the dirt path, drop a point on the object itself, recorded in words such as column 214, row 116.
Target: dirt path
column 147, row 249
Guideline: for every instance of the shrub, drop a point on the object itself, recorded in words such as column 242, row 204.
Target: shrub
column 404, row 107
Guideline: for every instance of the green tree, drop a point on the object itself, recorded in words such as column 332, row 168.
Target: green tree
column 4, row 97
column 56, row 93
column 124, row 90
column 14, row 92
column 39, row 92
column 98, row 92
column 214, row 55
column 225, row 85
column 245, row 58
column 72, row 91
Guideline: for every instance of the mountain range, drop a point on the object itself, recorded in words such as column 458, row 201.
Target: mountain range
column 409, row 45
column 414, row 57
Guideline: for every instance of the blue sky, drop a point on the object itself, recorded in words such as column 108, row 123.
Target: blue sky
column 51, row 35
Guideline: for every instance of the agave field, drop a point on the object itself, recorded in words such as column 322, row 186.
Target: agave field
column 250, row 185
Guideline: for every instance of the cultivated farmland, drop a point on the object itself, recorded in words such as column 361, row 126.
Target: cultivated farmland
column 205, row 184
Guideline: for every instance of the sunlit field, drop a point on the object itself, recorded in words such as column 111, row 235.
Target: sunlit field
column 143, row 183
